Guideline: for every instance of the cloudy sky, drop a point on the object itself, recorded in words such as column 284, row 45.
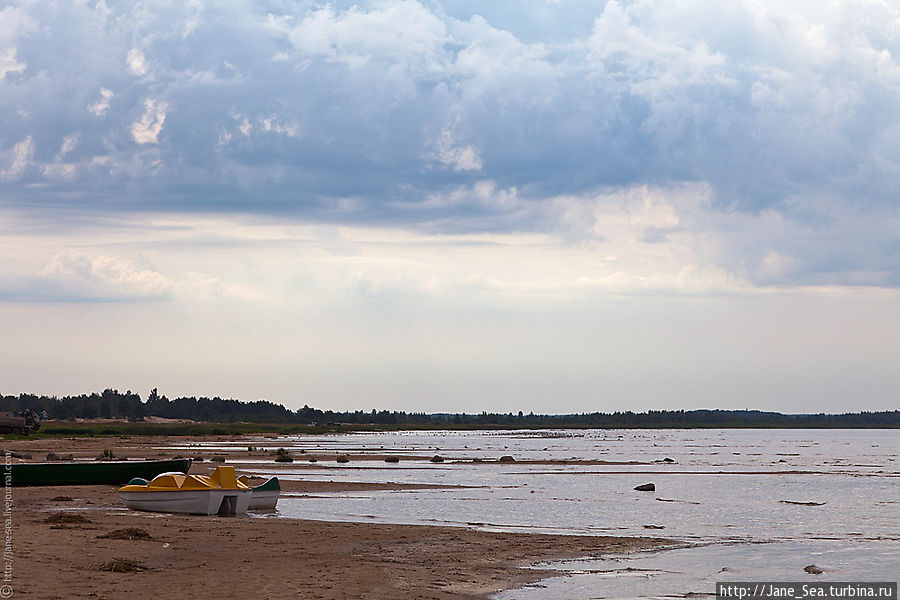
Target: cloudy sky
column 451, row 205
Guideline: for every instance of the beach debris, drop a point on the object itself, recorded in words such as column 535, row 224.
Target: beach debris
column 62, row 499
column 813, row 569
column 217, row 459
column 437, row 458
column 343, row 458
column 128, row 533
column 284, row 458
column 391, row 459
column 122, row 565
column 52, row 456
column 645, row 487
column 673, row 500
column 802, row 503
column 507, row 459
column 654, row 527
column 67, row 519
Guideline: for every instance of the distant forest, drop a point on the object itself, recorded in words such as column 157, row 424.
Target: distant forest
column 112, row 404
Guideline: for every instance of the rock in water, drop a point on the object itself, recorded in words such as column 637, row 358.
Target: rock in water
column 813, row 569
column 507, row 459
column 646, row 487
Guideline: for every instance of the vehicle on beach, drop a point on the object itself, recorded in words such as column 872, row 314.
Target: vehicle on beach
column 25, row 422
column 221, row 493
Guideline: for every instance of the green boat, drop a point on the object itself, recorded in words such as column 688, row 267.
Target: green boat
column 90, row 473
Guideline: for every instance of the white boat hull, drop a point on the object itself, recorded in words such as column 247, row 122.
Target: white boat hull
column 194, row 502
column 263, row 500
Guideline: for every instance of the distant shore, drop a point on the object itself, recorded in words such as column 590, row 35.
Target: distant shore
column 252, row 557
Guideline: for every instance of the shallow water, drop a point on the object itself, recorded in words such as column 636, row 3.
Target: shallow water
column 739, row 493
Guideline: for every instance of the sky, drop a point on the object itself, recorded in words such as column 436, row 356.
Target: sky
column 454, row 206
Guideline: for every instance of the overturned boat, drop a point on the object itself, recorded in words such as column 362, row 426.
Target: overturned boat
column 218, row 494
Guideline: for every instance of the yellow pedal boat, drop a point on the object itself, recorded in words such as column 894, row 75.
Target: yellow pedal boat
column 218, row 494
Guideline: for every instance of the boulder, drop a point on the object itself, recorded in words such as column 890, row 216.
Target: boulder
column 507, row 459
column 312, row 460
column 437, row 459
column 285, row 458
column 52, row 456
column 813, row 569
column 217, row 459
column 391, row 459
column 646, row 487
column 198, row 459
column 343, row 458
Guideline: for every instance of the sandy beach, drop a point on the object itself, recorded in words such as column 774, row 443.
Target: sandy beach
column 63, row 537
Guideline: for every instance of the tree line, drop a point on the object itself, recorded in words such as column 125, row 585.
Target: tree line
column 113, row 404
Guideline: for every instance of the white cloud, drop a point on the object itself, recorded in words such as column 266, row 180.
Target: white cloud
column 147, row 129
column 137, row 62
column 18, row 159
column 455, row 155
column 78, row 273
column 99, row 108
column 8, row 62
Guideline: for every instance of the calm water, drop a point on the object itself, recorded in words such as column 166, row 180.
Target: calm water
column 730, row 493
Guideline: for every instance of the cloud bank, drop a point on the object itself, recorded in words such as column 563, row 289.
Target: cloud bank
column 477, row 158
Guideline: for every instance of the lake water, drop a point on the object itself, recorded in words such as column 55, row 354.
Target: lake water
column 752, row 505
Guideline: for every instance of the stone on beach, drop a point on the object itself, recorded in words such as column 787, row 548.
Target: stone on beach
column 391, row 459
column 646, row 487
column 217, row 459
column 507, row 459
column 121, row 565
column 437, row 459
column 813, row 569
column 343, row 458
column 284, row 458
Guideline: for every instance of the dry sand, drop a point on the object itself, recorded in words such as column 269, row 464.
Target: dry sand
column 255, row 557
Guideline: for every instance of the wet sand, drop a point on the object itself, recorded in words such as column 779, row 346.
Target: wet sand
column 256, row 557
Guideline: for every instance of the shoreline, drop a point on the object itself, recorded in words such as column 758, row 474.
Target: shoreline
column 58, row 557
